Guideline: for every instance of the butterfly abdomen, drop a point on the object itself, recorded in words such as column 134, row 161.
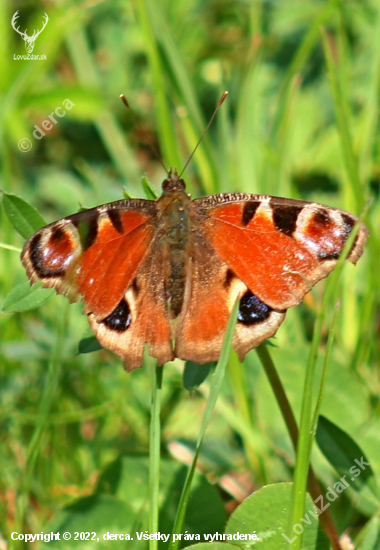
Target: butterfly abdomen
column 174, row 238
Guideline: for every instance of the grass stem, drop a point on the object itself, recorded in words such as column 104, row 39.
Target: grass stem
column 154, row 455
column 216, row 384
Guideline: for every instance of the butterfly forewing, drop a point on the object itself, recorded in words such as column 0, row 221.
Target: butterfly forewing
column 278, row 247
column 74, row 254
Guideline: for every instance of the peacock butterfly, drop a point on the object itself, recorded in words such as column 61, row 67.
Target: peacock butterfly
column 166, row 273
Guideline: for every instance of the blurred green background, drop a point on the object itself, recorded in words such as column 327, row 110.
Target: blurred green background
column 301, row 120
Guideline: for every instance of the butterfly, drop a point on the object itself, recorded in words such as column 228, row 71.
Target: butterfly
column 166, row 273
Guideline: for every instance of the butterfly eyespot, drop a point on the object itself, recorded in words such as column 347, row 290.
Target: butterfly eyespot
column 331, row 247
column 120, row 319
column 51, row 259
column 252, row 310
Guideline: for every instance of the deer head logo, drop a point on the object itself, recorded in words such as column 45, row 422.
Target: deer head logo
column 29, row 40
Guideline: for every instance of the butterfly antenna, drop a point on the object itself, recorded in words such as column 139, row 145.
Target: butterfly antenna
column 138, row 125
column 220, row 103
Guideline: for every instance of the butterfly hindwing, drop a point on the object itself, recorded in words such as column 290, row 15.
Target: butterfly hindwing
column 140, row 318
column 211, row 291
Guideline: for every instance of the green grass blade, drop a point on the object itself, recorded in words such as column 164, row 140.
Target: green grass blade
column 216, row 384
column 290, row 421
column 349, row 157
column 371, row 109
column 306, row 432
column 279, row 392
column 154, row 455
column 343, row 118
column 165, row 59
column 257, row 456
column 168, row 139
column 40, row 430
column 10, row 247
column 106, row 123
column 330, row 341
column 300, row 59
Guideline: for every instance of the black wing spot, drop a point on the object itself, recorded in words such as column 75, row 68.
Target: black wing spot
column 37, row 260
column 249, row 210
column 322, row 217
column 87, row 228
column 135, row 286
column 322, row 256
column 348, row 224
column 285, row 218
column 120, row 319
column 230, row 276
column 252, row 311
column 57, row 234
column 115, row 217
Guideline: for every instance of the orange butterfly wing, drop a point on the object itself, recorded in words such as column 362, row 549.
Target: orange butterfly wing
column 267, row 251
column 131, row 260
column 211, row 291
column 278, row 247
column 98, row 254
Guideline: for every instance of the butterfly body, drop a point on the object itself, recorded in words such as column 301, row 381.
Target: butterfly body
column 174, row 212
column 166, row 273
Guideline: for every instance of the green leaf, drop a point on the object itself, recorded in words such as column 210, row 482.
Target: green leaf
column 266, row 512
column 126, row 478
column 88, row 102
column 369, row 537
column 88, row 345
column 23, row 297
column 149, row 190
column 348, row 459
column 24, row 217
column 126, row 194
column 194, row 374
column 205, row 510
column 98, row 514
